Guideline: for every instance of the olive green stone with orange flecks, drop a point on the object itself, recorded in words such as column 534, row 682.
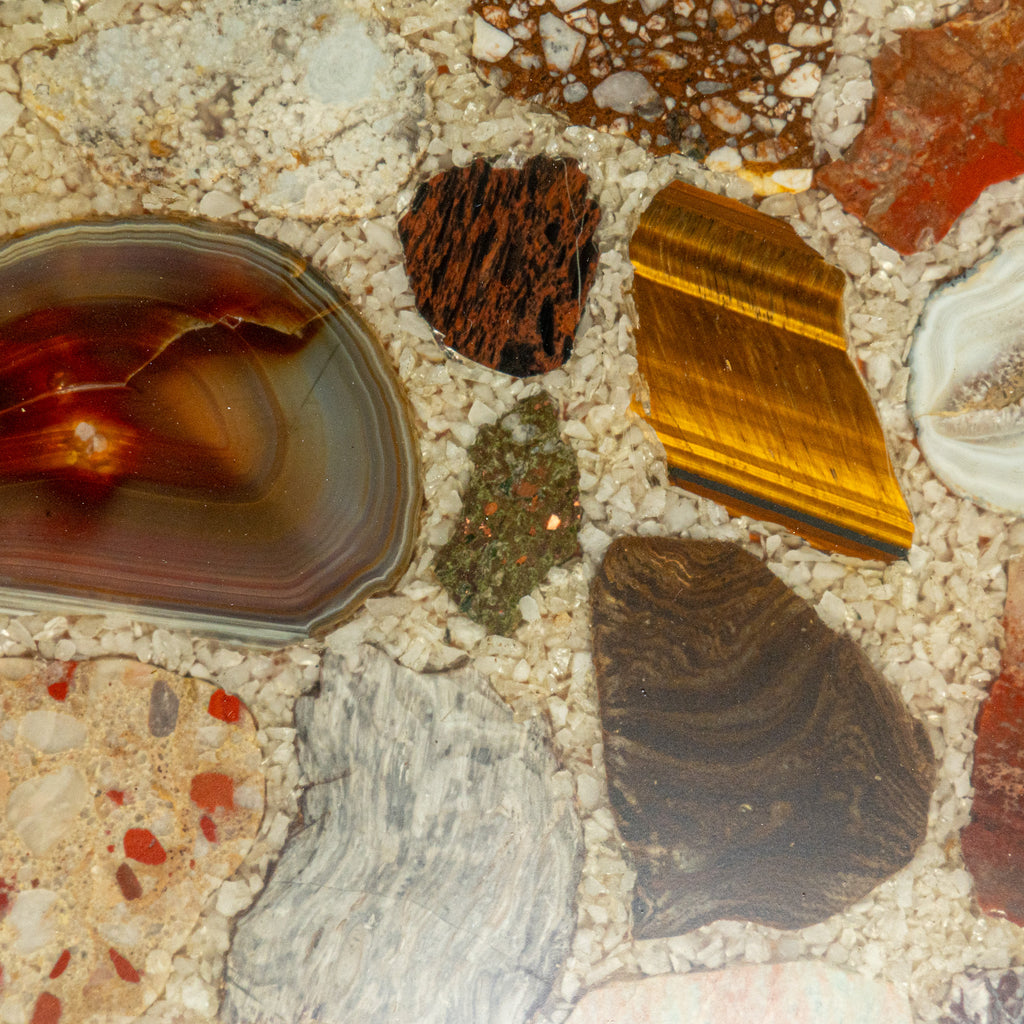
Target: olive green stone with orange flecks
column 520, row 515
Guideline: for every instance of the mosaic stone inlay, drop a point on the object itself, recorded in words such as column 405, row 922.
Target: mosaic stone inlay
column 726, row 81
column 129, row 794
column 501, row 261
column 759, row 767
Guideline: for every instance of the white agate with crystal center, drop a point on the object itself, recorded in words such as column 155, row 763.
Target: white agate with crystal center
column 967, row 380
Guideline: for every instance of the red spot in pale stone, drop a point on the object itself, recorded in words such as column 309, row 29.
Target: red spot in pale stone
column 110, row 849
column 6, row 888
column 140, row 844
column 211, row 790
column 47, row 1009
column 59, row 689
column 225, row 706
column 117, row 796
column 128, row 881
column 124, row 969
column 61, row 965
column 209, row 829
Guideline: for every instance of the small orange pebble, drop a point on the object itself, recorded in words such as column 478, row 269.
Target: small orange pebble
column 524, row 489
column 553, row 522
column 160, row 149
column 490, row 508
column 124, row 969
column 117, row 796
column 225, row 706
column 209, row 828
column 140, row 844
column 211, row 790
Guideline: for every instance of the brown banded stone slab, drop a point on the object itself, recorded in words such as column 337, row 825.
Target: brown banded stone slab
column 758, row 766
column 501, row 261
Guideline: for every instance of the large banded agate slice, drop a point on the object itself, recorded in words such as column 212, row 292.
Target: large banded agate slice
column 196, row 427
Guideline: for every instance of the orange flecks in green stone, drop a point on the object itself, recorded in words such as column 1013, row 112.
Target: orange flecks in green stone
column 140, row 844
column 59, row 690
column 117, row 796
column 225, row 706
column 209, row 829
column 47, row 1009
column 211, row 790
column 61, row 965
column 124, row 969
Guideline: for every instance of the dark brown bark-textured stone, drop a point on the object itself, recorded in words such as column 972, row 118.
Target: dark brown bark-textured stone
column 993, row 843
column 501, row 261
column 759, row 768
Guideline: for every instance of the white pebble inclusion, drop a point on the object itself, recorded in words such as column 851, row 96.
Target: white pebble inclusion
column 967, row 381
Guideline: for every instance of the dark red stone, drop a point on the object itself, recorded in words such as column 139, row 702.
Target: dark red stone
column 209, row 828
column 124, row 969
column 993, row 843
column 61, row 965
column 211, row 790
column 947, row 122
column 128, row 882
column 47, row 1009
column 501, row 261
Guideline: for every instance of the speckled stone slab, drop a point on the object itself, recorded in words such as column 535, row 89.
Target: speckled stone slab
column 129, row 794
column 798, row 993
column 435, row 874
column 986, row 997
column 993, row 842
column 520, row 515
column 758, row 766
column 303, row 110
column 501, row 261
column 726, row 81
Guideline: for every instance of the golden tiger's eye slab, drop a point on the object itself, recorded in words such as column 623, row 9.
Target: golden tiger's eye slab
column 196, row 426
column 741, row 340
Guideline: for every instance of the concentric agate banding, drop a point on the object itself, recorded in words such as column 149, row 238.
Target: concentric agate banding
column 967, row 381
column 196, row 426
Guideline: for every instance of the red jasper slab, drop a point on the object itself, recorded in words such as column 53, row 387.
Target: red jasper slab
column 947, row 122
column 993, row 843
column 501, row 261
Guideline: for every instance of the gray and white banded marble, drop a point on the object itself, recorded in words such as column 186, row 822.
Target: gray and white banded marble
column 434, row 877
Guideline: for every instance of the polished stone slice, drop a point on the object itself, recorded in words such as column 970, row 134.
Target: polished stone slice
column 796, row 993
column 433, row 880
column 986, row 997
column 966, row 392
column 947, row 122
column 301, row 110
column 107, row 857
column 501, row 261
column 993, row 842
column 742, row 344
column 195, row 426
column 759, row 768
column 725, row 81
column 520, row 515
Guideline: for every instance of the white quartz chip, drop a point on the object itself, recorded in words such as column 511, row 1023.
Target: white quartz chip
column 50, row 732
column 563, row 46
column 489, row 43
column 801, row 81
column 624, row 92
column 40, row 809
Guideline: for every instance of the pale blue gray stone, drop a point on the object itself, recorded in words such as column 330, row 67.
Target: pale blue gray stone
column 434, row 877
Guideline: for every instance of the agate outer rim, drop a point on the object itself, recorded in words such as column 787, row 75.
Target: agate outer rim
column 968, row 328
column 372, row 379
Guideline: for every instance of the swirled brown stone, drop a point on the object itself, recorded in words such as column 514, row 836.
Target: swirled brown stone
column 758, row 766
